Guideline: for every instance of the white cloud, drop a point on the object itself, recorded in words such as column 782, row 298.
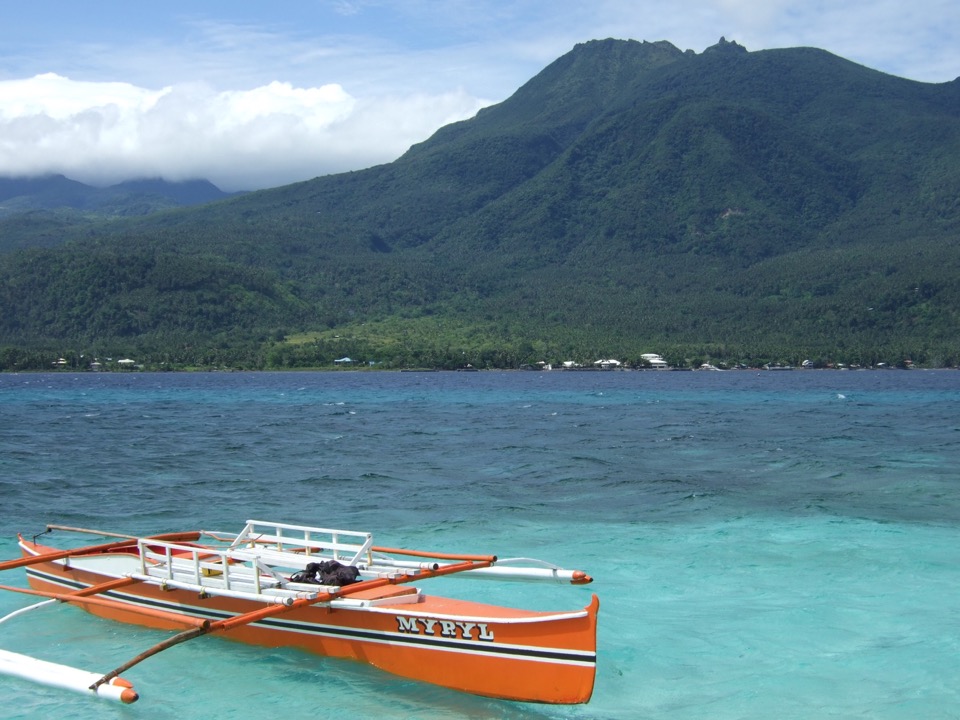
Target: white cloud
column 239, row 139
column 58, row 97
column 250, row 97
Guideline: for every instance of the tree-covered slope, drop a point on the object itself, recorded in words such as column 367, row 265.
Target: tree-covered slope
column 629, row 197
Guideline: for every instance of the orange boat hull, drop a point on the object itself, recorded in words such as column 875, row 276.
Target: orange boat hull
column 467, row 646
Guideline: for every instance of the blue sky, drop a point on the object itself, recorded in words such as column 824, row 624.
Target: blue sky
column 255, row 94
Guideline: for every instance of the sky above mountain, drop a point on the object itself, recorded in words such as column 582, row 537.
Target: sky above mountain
column 252, row 95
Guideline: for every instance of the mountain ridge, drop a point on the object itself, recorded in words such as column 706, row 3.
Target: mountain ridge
column 130, row 197
column 733, row 204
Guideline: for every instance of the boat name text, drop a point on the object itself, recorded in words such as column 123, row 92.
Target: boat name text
column 444, row 628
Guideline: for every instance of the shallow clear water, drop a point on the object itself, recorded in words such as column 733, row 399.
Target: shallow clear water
column 764, row 544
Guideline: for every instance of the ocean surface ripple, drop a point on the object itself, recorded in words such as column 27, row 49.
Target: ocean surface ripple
column 764, row 544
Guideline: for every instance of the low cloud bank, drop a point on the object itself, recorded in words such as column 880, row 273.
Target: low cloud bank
column 103, row 133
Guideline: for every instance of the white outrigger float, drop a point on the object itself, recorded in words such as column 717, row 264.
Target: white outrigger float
column 332, row 592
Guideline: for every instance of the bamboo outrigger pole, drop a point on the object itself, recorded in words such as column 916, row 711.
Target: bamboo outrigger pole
column 61, row 676
column 64, row 676
column 77, row 599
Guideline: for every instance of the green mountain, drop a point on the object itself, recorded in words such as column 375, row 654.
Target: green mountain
column 133, row 197
column 727, row 206
column 40, row 211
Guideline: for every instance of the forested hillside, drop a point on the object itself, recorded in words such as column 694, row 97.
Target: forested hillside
column 727, row 206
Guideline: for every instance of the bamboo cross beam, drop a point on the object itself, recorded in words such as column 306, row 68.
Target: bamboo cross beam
column 173, row 618
column 436, row 555
column 103, row 587
column 90, row 531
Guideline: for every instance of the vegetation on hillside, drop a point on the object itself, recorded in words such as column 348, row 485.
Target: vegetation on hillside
column 727, row 207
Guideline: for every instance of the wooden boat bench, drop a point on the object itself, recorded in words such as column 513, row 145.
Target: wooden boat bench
column 384, row 595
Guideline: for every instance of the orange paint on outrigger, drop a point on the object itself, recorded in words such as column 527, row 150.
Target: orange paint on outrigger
column 242, row 586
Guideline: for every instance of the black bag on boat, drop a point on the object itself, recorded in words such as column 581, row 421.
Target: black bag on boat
column 309, row 575
column 329, row 572
column 333, row 573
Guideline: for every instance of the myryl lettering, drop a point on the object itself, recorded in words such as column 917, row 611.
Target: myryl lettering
column 457, row 629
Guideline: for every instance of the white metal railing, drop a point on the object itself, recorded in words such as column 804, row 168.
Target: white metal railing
column 345, row 546
column 232, row 573
column 254, row 560
column 165, row 559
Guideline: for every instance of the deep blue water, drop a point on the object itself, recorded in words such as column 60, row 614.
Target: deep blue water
column 773, row 544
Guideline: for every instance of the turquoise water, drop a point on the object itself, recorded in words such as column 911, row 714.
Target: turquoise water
column 764, row 544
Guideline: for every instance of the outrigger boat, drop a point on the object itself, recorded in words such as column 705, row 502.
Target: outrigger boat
column 251, row 587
